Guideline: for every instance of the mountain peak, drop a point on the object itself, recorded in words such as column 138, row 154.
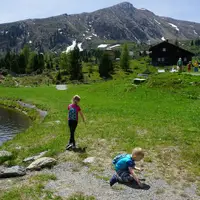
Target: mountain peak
column 125, row 5
column 119, row 23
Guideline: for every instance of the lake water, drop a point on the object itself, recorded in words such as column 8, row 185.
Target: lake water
column 11, row 123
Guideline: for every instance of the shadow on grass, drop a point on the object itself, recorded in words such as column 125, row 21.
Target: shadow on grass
column 79, row 150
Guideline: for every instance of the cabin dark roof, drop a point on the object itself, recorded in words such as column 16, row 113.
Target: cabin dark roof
column 168, row 43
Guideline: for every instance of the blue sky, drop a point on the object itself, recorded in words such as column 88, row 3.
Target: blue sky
column 13, row 10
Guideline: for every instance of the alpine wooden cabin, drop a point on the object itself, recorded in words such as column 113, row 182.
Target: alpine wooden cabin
column 166, row 53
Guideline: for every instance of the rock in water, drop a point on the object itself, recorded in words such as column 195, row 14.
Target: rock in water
column 42, row 163
column 12, row 172
column 89, row 160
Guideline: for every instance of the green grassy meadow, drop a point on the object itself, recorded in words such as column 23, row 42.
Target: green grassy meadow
column 162, row 113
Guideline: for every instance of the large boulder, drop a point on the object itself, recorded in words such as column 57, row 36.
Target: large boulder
column 12, row 172
column 42, row 163
column 5, row 155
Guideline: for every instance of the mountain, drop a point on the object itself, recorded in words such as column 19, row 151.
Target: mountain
column 119, row 22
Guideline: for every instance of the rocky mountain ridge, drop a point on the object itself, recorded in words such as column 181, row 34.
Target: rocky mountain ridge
column 119, row 22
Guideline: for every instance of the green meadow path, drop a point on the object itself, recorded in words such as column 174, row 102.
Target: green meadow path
column 120, row 117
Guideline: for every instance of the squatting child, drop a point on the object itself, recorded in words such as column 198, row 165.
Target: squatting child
column 125, row 167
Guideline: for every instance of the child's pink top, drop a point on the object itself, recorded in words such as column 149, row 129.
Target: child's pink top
column 73, row 112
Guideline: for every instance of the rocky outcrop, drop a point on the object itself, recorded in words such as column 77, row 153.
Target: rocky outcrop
column 33, row 158
column 42, row 163
column 12, row 172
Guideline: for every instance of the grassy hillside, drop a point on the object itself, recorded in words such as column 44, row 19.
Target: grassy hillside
column 163, row 113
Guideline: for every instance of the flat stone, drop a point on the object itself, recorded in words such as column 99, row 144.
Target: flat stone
column 5, row 154
column 33, row 158
column 138, row 80
column 61, row 87
column 12, row 172
column 161, row 71
column 57, row 122
column 42, row 163
column 89, row 160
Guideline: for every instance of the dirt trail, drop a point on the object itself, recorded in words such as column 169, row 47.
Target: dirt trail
column 74, row 178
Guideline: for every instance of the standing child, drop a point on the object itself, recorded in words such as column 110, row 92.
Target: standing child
column 190, row 66
column 196, row 66
column 74, row 110
column 125, row 167
column 180, row 65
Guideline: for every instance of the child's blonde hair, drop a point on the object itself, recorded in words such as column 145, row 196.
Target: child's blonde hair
column 138, row 152
column 76, row 99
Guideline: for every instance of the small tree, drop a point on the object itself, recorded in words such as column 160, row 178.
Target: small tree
column 75, row 65
column 58, row 78
column 192, row 43
column 176, row 43
column 41, row 62
column 125, row 59
column 106, row 65
column 64, row 62
column 31, row 63
column 22, row 63
column 26, row 52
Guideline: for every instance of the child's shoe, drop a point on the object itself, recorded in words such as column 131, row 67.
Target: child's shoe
column 113, row 180
column 69, row 146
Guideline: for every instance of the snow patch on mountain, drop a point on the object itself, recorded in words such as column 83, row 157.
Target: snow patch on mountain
column 157, row 22
column 71, row 47
column 195, row 32
column 89, row 38
column 80, row 46
column 174, row 26
column 114, row 46
column 163, row 39
column 102, row 46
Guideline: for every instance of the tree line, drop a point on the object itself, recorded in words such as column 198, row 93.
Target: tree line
column 31, row 62
column 195, row 42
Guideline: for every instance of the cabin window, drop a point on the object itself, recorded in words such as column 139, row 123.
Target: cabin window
column 164, row 49
column 159, row 59
column 185, row 59
column 163, row 59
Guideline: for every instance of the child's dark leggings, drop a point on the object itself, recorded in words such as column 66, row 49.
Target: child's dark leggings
column 72, row 126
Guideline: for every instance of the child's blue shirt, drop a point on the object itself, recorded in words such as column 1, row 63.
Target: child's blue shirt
column 125, row 163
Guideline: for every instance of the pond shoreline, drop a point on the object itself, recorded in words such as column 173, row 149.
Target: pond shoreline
column 33, row 112
column 42, row 113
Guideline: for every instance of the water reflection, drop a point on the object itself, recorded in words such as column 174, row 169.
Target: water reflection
column 11, row 123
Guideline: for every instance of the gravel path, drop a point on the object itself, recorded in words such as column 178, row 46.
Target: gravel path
column 74, row 178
